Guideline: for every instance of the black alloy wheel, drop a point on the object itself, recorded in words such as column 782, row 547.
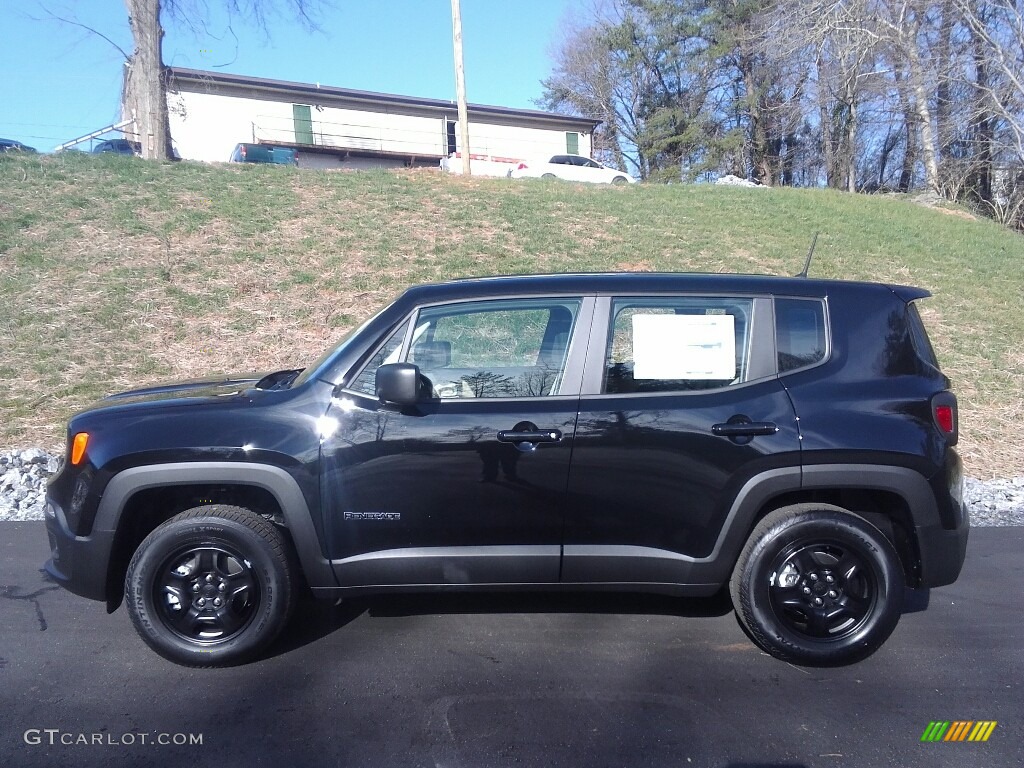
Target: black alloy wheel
column 825, row 590
column 212, row 586
column 818, row 585
column 206, row 594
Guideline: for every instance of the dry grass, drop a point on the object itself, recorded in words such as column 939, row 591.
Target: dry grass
column 117, row 273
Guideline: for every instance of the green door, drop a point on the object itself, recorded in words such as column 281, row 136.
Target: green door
column 303, row 124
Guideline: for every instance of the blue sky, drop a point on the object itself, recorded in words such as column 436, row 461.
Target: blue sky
column 58, row 81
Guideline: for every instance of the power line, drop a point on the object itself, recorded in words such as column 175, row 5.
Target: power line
column 43, row 125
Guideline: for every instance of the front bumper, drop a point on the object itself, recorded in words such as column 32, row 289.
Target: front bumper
column 77, row 563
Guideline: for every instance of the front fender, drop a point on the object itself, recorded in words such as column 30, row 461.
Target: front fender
column 274, row 480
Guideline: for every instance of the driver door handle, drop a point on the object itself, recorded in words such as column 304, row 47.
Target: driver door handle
column 531, row 436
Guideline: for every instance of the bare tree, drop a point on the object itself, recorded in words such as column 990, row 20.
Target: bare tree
column 144, row 98
column 145, row 84
column 860, row 94
column 590, row 80
column 997, row 27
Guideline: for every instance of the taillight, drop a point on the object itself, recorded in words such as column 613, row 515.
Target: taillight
column 521, row 167
column 944, row 412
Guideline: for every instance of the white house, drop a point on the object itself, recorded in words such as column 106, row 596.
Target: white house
column 211, row 112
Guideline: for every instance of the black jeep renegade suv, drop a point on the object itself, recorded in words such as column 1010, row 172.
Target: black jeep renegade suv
column 789, row 438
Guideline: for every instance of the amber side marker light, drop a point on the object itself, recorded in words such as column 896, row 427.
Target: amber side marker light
column 78, row 447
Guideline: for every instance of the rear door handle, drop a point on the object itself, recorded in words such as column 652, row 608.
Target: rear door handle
column 530, row 436
column 745, row 429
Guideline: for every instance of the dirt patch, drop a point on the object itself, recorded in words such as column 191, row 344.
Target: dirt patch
column 956, row 212
column 635, row 266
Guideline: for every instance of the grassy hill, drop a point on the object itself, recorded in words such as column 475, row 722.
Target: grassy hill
column 116, row 272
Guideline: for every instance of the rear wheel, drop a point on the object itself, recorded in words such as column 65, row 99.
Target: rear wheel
column 212, row 586
column 548, row 176
column 619, row 180
column 817, row 585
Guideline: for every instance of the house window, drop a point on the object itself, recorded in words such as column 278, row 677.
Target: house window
column 572, row 143
column 451, row 137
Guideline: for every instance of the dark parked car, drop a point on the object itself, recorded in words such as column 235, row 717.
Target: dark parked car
column 789, row 439
column 10, row 145
column 264, row 153
column 119, row 147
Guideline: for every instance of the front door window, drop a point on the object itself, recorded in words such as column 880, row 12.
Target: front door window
column 494, row 349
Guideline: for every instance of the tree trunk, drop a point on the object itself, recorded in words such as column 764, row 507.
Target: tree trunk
column 982, row 182
column 759, row 162
column 827, row 145
column 789, row 160
column 145, row 89
column 943, row 100
column 906, row 180
column 850, row 134
column 923, row 112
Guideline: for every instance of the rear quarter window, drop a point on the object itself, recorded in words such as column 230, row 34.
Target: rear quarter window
column 800, row 334
column 919, row 335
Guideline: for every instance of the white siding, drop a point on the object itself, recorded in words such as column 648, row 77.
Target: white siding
column 519, row 143
column 207, row 126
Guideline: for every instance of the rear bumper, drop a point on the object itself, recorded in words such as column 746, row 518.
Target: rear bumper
column 77, row 563
column 942, row 537
column 942, row 554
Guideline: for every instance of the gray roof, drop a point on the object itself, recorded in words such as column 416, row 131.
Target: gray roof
column 197, row 79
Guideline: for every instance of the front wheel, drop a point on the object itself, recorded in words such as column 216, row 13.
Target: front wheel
column 817, row 585
column 211, row 586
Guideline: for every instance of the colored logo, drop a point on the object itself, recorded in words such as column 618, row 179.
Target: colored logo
column 958, row 730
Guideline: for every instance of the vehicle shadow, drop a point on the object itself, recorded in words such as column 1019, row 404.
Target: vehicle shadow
column 916, row 600
column 549, row 602
column 314, row 619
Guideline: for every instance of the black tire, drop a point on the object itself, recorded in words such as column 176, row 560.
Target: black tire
column 817, row 585
column 212, row 586
column 548, row 176
column 619, row 180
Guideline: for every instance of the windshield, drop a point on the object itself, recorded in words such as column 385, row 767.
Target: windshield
column 337, row 349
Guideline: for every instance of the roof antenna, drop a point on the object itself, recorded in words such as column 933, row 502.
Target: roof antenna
column 810, row 252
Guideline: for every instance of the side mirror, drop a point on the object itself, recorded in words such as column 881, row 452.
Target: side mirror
column 398, row 383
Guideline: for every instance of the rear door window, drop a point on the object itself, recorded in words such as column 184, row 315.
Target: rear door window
column 677, row 344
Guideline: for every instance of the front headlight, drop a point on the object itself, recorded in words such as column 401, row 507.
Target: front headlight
column 78, row 496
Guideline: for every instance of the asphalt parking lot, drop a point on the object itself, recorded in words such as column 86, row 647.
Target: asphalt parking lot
column 500, row 680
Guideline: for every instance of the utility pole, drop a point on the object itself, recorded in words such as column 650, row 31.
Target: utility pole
column 460, row 85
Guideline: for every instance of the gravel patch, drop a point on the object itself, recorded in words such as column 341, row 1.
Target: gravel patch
column 995, row 502
column 23, row 476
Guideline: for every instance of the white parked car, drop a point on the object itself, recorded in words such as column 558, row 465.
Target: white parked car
column 571, row 168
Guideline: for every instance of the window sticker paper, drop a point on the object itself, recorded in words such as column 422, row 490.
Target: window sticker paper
column 696, row 347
